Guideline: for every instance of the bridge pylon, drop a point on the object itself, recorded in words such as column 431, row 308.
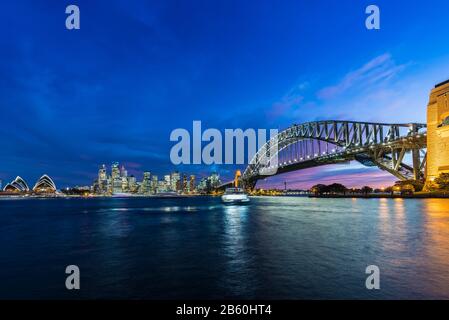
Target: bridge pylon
column 437, row 133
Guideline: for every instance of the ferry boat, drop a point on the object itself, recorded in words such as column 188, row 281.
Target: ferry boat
column 235, row 196
column 123, row 195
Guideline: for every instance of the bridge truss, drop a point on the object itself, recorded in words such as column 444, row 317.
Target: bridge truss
column 312, row 144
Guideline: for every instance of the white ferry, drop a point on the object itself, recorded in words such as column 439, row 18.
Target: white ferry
column 235, row 196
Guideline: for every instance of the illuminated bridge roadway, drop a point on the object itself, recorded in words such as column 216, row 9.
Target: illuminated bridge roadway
column 399, row 149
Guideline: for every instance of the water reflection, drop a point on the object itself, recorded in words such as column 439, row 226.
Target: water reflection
column 234, row 222
column 235, row 245
column 399, row 207
column 437, row 232
column 384, row 217
column 283, row 247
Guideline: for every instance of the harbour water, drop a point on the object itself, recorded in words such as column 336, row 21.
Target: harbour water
column 196, row 247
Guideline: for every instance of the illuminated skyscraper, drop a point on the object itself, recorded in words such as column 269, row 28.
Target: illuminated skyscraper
column 154, row 184
column 116, row 179
column 202, row 186
column 175, row 181
column 102, row 174
column 123, row 172
column 214, row 180
column 102, row 183
column 185, row 186
column 161, row 186
column 167, row 182
column 145, row 187
column 192, row 184
column 125, row 184
column 132, row 183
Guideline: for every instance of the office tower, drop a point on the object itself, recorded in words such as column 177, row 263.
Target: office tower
column 102, row 174
column 125, row 185
column 214, row 180
column 202, row 186
column 162, row 186
column 145, row 187
column 123, row 172
column 167, row 184
column 154, row 184
column 184, row 184
column 102, row 182
column 192, row 184
column 175, row 181
column 116, row 179
column 132, row 183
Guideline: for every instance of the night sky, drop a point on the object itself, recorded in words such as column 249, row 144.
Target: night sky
column 114, row 90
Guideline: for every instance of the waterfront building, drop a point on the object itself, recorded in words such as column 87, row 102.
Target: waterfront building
column 120, row 182
column 44, row 185
column 17, row 185
column 208, row 184
column 214, row 180
column 202, row 186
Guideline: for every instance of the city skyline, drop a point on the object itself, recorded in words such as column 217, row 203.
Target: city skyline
column 118, row 181
column 267, row 68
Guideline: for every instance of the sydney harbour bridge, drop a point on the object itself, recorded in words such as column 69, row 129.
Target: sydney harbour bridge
column 409, row 151
column 399, row 149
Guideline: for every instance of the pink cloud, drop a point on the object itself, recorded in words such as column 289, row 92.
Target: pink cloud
column 351, row 178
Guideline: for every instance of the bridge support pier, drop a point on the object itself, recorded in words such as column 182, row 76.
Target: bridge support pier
column 416, row 164
column 437, row 161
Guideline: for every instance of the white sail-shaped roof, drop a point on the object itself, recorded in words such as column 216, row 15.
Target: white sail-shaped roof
column 18, row 184
column 44, row 182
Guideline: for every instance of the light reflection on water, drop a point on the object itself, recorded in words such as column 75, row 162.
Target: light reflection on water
column 283, row 248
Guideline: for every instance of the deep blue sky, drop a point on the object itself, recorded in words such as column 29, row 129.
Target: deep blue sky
column 114, row 90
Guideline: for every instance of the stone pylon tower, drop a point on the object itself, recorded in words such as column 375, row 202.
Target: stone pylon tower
column 438, row 132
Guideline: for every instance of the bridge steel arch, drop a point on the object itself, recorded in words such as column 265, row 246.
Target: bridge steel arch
column 320, row 143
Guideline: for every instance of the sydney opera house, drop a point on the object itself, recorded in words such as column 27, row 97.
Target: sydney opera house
column 44, row 185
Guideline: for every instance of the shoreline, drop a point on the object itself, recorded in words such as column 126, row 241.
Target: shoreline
column 327, row 196
column 386, row 196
